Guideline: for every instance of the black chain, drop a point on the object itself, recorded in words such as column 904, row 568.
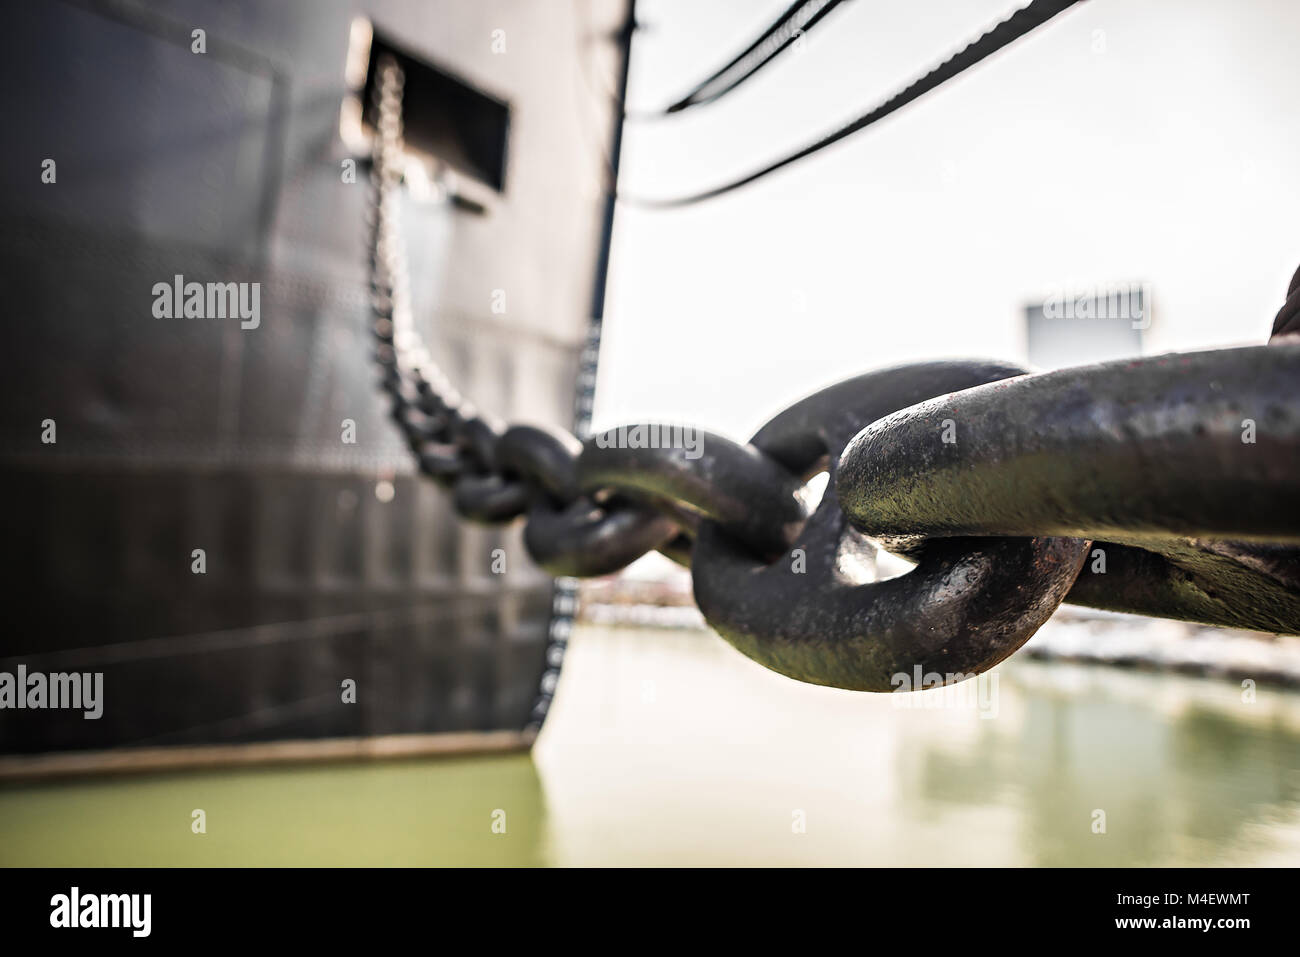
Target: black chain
column 1164, row 486
column 1287, row 322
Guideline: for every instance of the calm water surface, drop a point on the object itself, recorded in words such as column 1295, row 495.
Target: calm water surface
column 670, row 748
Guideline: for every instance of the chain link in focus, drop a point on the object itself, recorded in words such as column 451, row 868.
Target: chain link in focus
column 1142, row 459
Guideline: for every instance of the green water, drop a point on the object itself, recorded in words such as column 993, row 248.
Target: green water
column 405, row 814
column 669, row 748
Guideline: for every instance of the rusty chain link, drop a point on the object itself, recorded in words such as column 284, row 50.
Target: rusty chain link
column 1142, row 462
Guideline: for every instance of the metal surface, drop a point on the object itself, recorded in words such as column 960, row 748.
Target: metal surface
column 325, row 559
column 1137, row 448
column 812, row 614
column 1287, row 322
column 992, row 480
column 1192, row 457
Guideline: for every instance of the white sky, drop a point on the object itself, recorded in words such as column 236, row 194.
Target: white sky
column 1127, row 140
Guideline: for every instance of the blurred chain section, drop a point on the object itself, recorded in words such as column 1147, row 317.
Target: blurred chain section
column 1287, row 322
column 1179, row 471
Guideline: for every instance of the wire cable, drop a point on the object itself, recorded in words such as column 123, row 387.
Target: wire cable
column 1009, row 30
column 798, row 18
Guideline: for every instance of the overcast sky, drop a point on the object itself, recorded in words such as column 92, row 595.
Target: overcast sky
column 1153, row 141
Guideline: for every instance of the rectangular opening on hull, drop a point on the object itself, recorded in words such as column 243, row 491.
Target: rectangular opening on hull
column 444, row 118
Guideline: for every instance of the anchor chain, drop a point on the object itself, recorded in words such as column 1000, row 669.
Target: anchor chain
column 1004, row 487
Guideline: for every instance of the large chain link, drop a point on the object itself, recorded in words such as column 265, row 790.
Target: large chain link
column 1000, row 485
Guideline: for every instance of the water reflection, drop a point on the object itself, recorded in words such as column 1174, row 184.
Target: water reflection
column 670, row 748
column 676, row 749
